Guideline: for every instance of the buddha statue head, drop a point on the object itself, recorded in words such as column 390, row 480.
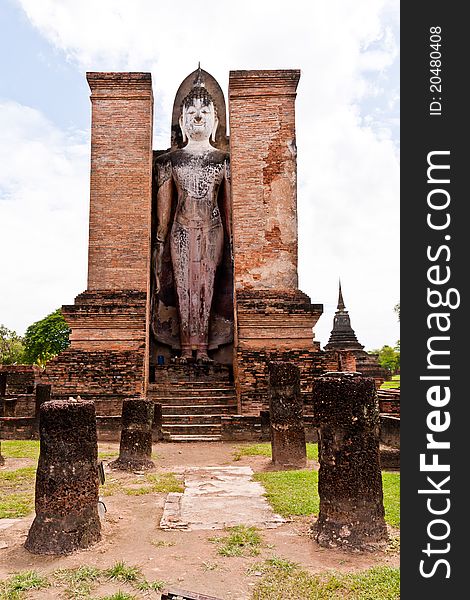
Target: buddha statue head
column 198, row 120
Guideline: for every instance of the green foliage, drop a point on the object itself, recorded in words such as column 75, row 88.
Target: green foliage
column 240, row 541
column 283, row 579
column 46, row 338
column 11, row 347
column 389, row 358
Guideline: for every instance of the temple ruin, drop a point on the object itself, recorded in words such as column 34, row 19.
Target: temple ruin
column 192, row 265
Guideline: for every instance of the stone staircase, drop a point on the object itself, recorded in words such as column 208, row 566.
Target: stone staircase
column 194, row 398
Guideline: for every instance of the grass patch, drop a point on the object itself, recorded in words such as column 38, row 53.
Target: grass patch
column 13, row 587
column 264, row 449
column 78, row 582
column 391, row 489
column 295, row 493
column 107, row 454
column 118, row 596
column 394, row 383
column 165, row 482
column 20, row 449
column 283, row 579
column 122, row 572
column 17, row 487
column 151, row 586
column 291, row 493
column 239, row 541
column 153, row 484
column 162, row 544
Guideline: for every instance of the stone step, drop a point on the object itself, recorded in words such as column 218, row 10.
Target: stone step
column 190, row 388
column 193, row 438
column 192, row 419
column 195, row 429
column 191, row 409
column 195, row 400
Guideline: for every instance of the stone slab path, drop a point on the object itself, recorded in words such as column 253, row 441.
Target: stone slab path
column 218, row 497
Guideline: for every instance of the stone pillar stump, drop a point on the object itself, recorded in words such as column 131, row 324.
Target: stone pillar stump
column 66, row 480
column 43, row 394
column 286, row 412
column 135, row 449
column 350, row 480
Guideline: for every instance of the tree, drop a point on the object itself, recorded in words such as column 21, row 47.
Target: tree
column 389, row 358
column 46, row 338
column 11, row 347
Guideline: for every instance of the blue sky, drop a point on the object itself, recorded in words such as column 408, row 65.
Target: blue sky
column 347, row 135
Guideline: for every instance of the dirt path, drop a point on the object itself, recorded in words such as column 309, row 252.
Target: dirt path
column 186, row 559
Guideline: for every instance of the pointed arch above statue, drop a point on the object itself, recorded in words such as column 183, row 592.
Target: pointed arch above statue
column 214, row 89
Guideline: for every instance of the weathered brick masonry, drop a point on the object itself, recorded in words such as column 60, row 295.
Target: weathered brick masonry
column 274, row 320
column 108, row 356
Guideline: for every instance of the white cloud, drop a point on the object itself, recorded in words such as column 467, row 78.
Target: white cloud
column 44, row 213
column 348, row 164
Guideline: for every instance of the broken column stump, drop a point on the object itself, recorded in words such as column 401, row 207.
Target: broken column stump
column 157, row 426
column 66, row 480
column 135, row 448
column 349, row 479
column 286, row 413
column 42, row 394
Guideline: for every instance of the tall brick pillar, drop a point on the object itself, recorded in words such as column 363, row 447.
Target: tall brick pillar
column 108, row 356
column 274, row 318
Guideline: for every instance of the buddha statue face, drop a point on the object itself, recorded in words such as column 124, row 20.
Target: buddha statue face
column 198, row 120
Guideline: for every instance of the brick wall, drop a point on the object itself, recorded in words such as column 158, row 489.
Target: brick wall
column 20, row 379
column 263, row 164
column 120, row 185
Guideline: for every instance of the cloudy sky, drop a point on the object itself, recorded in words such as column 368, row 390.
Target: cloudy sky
column 347, row 123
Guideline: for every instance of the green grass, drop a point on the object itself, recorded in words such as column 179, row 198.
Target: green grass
column 295, row 493
column 80, row 583
column 13, row 587
column 165, row 482
column 392, row 384
column 282, row 579
column 122, row 572
column 391, row 489
column 151, row 586
column 154, row 483
column 162, row 543
column 239, row 541
column 17, row 498
column 119, row 595
column 291, row 493
column 264, row 449
column 20, row 449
